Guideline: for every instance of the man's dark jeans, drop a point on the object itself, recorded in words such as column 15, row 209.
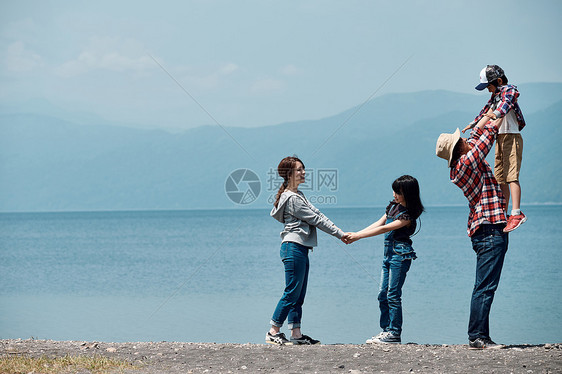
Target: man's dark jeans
column 490, row 244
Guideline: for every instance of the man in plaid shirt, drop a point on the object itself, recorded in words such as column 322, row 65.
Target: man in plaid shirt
column 486, row 220
column 473, row 175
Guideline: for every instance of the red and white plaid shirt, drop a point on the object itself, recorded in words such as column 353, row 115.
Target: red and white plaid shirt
column 502, row 101
column 473, row 175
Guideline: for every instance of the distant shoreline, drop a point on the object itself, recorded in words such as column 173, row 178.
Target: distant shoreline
column 178, row 357
column 238, row 208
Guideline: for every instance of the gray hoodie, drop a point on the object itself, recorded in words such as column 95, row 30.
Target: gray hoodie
column 301, row 219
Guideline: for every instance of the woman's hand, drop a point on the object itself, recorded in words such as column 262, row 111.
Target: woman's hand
column 350, row 237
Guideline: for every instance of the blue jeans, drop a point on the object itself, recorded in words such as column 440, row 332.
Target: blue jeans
column 393, row 275
column 295, row 260
column 490, row 244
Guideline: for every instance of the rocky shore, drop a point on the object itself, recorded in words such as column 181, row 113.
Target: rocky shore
column 176, row 357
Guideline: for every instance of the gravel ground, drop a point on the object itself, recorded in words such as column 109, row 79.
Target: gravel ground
column 176, row 357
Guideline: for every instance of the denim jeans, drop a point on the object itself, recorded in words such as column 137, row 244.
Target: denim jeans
column 295, row 260
column 490, row 244
column 394, row 269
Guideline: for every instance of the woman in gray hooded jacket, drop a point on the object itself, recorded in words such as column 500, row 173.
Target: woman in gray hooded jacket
column 301, row 219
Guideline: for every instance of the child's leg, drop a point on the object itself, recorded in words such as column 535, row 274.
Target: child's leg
column 398, row 270
column 383, row 296
column 513, row 154
column 515, row 189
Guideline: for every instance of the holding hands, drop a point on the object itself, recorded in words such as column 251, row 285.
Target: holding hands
column 350, row 237
column 377, row 228
column 487, row 117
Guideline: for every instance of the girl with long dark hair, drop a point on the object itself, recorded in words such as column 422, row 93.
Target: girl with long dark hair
column 397, row 224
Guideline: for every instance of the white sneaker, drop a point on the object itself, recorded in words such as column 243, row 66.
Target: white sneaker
column 389, row 338
column 375, row 339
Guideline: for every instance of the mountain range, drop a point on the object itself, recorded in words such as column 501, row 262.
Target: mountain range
column 52, row 160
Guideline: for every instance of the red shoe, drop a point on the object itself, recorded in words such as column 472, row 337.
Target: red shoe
column 514, row 222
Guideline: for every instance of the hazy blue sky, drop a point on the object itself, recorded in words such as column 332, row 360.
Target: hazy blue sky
column 255, row 63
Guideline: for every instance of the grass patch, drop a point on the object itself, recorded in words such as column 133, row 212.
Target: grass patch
column 21, row 364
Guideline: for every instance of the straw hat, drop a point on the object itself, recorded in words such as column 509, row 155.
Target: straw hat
column 445, row 145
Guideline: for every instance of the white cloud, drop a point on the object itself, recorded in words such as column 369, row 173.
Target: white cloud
column 290, row 70
column 228, row 69
column 19, row 59
column 267, row 85
column 116, row 54
column 212, row 80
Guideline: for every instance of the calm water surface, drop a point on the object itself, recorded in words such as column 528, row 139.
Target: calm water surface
column 216, row 276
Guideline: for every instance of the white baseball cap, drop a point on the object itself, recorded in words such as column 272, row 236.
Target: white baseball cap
column 489, row 74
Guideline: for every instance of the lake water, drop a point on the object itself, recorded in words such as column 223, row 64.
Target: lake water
column 216, row 276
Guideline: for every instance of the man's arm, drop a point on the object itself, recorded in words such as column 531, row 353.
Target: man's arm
column 487, row 109
column 481, row 140
column 487, row 117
